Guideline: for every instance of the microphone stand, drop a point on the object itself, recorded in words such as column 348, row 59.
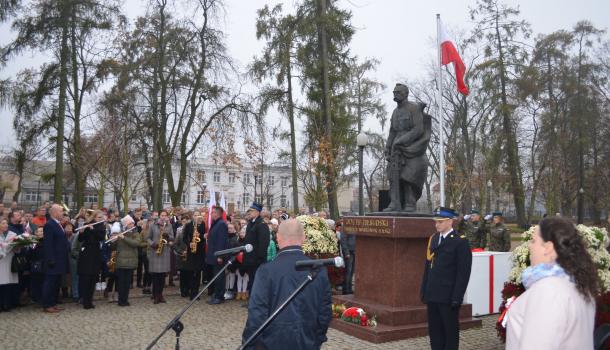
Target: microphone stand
column 310, row 277
column 175, row 324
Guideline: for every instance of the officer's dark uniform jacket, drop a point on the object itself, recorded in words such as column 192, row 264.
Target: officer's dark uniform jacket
column 447, row 269
column 304, row 322
column 257, row 234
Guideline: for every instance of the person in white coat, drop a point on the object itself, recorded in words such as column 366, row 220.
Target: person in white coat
column 557, row 310
column 8, row 280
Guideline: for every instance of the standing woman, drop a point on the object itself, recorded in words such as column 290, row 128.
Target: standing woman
column 557, row 310
column 126, row 247
column 160, row 239
column 90, row 257
column 8, row 280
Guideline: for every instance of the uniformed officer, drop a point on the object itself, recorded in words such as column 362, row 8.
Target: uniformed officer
column 445, row 280
column 499, row 236
column 475, row 230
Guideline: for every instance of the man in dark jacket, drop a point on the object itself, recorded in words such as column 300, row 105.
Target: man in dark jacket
column 304, row 322
column 218, row 239
column 446, row 276
column 257, row 234
column 55, row 250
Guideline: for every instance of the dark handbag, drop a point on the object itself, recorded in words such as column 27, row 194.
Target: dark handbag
column 19, row 264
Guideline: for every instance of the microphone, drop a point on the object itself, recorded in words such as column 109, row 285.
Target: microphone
column 314, row 264
column 247, row 248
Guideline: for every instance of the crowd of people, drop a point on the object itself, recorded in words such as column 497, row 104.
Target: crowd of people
column 99, row 250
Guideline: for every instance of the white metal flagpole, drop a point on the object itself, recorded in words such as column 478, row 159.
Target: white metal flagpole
column 441, row 128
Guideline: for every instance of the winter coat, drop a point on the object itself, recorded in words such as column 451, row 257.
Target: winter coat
column 56, row 249
column 159, row 263
column 127, row 250
column 257, row 234
column 551, row 314
column 6, row 257
column 304, row 322
column 90, row 255
column 218, row 239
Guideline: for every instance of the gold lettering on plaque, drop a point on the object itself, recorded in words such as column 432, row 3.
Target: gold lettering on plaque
column 367, row 225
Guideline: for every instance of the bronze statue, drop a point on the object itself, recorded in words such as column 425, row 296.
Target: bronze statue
column 410, row 132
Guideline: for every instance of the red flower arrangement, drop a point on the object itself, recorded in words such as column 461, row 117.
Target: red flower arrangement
column 357, row 316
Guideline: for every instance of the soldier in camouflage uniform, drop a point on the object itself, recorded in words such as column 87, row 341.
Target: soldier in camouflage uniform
column 499, row 236
column 475, row 230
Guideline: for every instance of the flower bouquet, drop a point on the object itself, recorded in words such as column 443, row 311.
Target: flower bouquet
column 319, row 239
column 595, row 238
column 23, row 240
column 321, row 243
column 357, row 315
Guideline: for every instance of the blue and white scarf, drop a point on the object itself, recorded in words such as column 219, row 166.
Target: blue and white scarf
column 533, row 274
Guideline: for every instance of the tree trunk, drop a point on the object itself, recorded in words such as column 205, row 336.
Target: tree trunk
column 61, row 107
column 328, row 149
column 79, row 181
column 514, row 165
column 293, row 142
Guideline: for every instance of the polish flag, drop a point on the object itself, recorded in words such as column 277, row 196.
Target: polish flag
column 223, row 205
column 211, row 206
column 449, row 54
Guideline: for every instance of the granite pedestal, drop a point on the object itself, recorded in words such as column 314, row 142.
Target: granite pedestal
column 390, row 258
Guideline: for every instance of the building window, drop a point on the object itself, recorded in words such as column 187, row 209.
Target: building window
column 256, row 180
column 271, row 180
column 201, row 176
column 66, row 198
column 183, row 197
column 284, row 181
column 217, row 176
column 91, row 198
column 270, row 201
column 246, row 198
column 283, row 201
column 231, row 197
column 31, row 196
column 247, row 179
column 166, row 197
column 231, row 178
column 258, row 198
column 200, row 197
column 134, row 197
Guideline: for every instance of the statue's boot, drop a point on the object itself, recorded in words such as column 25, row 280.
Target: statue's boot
column 392, row 207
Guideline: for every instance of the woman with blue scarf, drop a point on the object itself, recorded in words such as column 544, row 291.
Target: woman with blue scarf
column 557, row 310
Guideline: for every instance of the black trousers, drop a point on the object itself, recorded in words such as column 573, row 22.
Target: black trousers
column 50, row 290
column 251, row 270
column 36, row 279
column 443, row 326
column 142, row 274
column 219, row 284
column 158, row 282
column 185, row 285
column 349, row 272
column 123, row 281
column 8, row 294
column 86, row 288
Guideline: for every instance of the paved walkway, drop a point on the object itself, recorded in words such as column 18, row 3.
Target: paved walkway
column 206, row 327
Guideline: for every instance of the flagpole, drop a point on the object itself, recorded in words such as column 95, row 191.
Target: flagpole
column 441, row 127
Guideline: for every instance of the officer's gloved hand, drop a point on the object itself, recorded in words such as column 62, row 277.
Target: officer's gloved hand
column 455, row 304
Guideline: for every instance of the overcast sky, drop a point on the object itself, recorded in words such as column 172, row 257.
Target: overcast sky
column 397, row 32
